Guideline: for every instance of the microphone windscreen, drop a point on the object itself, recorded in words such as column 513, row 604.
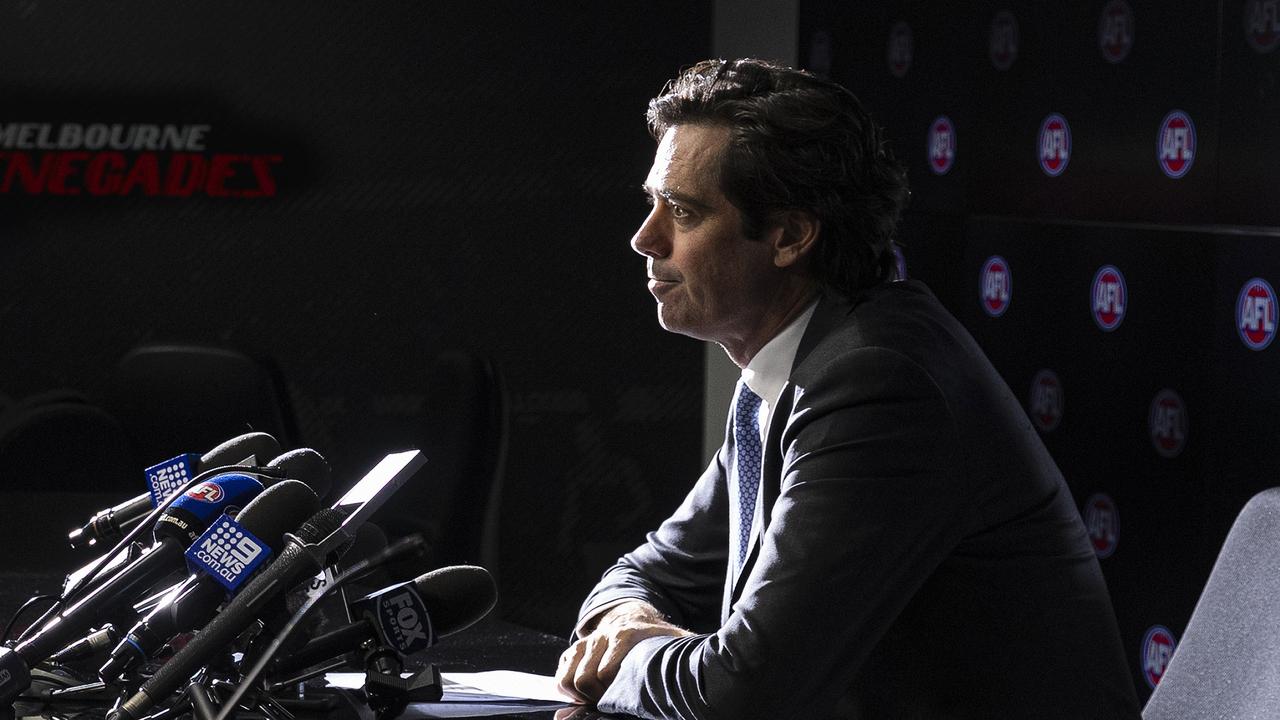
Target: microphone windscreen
column 457, row 596
column 306, row 465
column 280, row 509
column 258, row 444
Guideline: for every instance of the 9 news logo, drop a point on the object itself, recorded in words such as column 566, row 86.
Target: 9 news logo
column 228, row 552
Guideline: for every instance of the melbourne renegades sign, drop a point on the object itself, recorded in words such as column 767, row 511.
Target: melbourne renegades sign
column 128, row 159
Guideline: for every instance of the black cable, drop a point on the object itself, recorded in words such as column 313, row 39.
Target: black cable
column 18, row 613
column 411, row 544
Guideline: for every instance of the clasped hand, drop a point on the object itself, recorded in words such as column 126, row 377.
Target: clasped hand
column 589, row 665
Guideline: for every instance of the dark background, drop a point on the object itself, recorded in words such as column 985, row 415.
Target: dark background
column 465, row 178
column 1186, row 247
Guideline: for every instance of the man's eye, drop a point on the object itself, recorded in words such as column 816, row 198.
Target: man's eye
column 678, row 212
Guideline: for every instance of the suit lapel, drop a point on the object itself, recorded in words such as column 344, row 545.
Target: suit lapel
column 830, row 311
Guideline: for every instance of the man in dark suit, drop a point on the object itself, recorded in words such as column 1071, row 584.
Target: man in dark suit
column 883, row 534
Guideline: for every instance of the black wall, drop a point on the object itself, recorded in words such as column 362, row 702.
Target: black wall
column 446, row 176
column 1158, row 481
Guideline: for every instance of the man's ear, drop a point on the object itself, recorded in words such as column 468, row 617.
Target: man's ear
column 794, row 237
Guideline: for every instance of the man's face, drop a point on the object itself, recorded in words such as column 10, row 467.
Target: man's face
column 711, row 282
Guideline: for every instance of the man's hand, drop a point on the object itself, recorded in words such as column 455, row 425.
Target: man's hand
column 590, row 664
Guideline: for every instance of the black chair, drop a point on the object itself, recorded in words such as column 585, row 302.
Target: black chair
column 174, row 399
column 1228, row 662
column 61, row 459
column 460, row 423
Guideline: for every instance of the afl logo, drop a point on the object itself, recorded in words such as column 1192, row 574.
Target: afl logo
column 995, row 286
column 900, row 49
column 1110, row 298
column 1103, row 524
column 1256, row 314
column 1262, row 24
column 1157, row 650
column 1115, row 31
column 1168, row 422
column 942, row 145
column 1176, row 144
column 1055, row 145
column 1003, row 41
column 206, row 492
column 1046, row 400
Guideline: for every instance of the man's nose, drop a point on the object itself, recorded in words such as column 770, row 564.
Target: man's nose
column 652, row 239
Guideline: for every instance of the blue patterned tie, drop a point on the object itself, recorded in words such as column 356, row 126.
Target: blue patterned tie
column 746, row 438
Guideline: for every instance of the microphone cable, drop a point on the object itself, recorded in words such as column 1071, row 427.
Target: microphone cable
column 412, row 544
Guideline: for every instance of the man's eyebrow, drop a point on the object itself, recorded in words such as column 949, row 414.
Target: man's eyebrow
column 675, row 195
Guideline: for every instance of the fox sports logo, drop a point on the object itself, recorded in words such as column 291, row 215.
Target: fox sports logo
column 995, row 286
column 1256, row 314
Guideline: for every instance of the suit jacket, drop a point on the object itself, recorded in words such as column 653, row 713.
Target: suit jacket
column 916, row 553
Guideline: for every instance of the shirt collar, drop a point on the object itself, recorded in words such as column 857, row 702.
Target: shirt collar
column 768, row 371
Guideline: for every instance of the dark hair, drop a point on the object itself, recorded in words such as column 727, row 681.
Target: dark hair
column 797, row 142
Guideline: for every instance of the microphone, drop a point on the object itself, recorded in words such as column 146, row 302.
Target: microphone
column 279, row 509
column 110, row 524
column 306, row 465
column 294, row 564
column 408, row 617
column 325, row 534
column 185, row 519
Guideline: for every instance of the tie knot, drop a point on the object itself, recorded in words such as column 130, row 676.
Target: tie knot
column 747, row 405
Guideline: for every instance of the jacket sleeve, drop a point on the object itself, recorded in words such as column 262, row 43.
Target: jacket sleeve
column 680, row 569
column 869, row 506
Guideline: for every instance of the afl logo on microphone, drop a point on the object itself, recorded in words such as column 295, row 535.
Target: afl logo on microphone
column 1168, row 423
column 1115, row 31
column 206, row 492
column 1262, row 24
column 900, row 49
column 1055, row 145
column 1176, row 144
column 942, row 145
column 1102, row 523
column 1003, row 40
column 1256, row 314
column 1157, row 650
column 1045, row 405
column 995, row 286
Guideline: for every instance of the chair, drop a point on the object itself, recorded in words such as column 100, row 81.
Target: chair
column 1228, row 662
column 61, row 459
column 461, row 425
column 174, row 399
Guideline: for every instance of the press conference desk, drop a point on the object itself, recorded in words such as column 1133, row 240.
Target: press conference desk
column 489, row 645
